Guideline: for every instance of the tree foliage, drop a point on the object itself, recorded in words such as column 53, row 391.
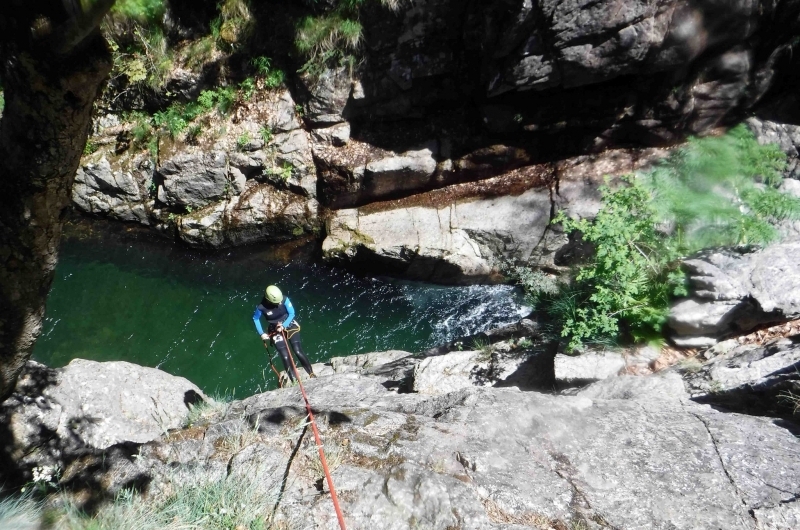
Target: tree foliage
column 715, row 191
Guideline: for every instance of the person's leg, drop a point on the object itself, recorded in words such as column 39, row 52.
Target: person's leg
column 294, row 337
column 283, row 351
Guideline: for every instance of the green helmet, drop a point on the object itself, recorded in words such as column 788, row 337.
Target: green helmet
column 274, row 294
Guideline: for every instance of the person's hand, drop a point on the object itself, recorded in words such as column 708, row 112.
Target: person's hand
column 279, row 328
column 264, row 337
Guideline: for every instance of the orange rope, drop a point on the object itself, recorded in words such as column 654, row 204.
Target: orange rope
column 317, row 439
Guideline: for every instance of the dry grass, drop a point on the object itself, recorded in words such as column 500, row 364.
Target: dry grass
column 762, row 336
column 536, row 520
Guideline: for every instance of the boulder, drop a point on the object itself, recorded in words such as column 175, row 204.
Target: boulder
column 734, row 293
column 282, row 114
column 292, row 151
column 101, row 191
column 329, row 93
column 400, row 172
column 335, row 135
column 446, row 373
column 573, row 370
column 452, row 243
column 91, row 405
column 194, row 179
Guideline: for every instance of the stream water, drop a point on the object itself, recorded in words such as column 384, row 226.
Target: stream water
column 118, row 296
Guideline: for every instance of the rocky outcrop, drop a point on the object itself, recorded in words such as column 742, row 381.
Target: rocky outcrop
column 99, row 190
column 747, row 378
column 462, row 233
column 57, row 415
column 484, row 458
column 261, row 213
column 735, row 293
column 444, row 93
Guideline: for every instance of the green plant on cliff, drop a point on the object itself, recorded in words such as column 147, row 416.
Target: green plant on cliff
column 273, row 77
column 332, row 38
column 713, row 191
column 234, row 25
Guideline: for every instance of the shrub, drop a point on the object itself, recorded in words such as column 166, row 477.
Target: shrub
column 711, row 192
column 226, row 97
column 234, row 25
column 333, row 37
column 171, row 120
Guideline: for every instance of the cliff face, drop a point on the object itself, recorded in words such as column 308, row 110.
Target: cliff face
column 442, row 94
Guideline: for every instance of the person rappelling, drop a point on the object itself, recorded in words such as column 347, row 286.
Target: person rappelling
column 279, row 312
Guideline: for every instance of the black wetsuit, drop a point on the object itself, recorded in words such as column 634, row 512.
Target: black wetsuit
column 282, row 313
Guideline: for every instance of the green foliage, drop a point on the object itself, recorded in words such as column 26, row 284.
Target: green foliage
column 721, row 191
column 171, row 120
column 203, row 412
column 237, row 501
column 326, row 39
column 266, row 134
column 207, row 99
column 141, row 11
column 141, row 55
column 226, row 97
column 90, row 147
column 633, row 273
column 243, row 140
column 193, row 133
column 142, row 127
column 2, row 100
column 711, row 192
column 333, row 38
column 234, row 25
column 248, row 88
column 283, row 173
column 273, row 77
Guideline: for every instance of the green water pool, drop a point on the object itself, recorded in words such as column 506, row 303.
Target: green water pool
column 117, row 296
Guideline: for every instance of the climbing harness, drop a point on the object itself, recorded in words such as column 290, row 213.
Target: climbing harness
column 294, row 328
column 317, row 438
